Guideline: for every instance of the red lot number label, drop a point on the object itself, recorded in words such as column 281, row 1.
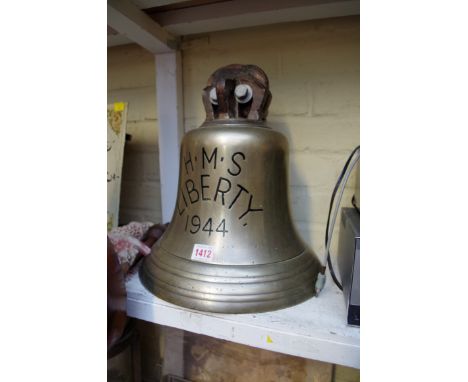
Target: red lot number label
column 203, row 252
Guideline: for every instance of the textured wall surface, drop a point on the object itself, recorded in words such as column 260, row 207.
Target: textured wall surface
column 313, row 69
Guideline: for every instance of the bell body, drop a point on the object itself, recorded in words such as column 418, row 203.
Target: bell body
column 231, row 246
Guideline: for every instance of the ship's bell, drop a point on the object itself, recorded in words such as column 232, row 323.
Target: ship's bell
column 231, row 246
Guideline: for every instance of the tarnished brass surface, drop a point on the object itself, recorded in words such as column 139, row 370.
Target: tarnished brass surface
column 233, row 197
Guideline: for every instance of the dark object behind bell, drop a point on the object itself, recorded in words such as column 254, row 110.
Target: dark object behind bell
column 231, row 246
column 349, row 260
column 116, row 298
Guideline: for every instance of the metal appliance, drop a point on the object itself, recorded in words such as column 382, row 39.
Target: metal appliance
column 349, row 260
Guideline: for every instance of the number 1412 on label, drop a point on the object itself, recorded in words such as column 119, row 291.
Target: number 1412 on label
column 203, row 252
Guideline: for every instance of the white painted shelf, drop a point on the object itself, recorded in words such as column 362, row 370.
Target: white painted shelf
column 315, row 329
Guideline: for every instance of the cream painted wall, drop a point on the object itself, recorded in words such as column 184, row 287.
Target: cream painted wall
column 313, row 68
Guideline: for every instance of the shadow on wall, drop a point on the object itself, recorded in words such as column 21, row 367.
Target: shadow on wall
column 281, row 126
column 140, row 196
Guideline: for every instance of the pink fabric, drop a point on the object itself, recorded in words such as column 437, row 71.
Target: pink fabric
column 126, row 241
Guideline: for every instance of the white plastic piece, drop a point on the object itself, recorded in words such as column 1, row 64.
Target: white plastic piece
column 319, row 283
column 213, row 96
column 243, row 93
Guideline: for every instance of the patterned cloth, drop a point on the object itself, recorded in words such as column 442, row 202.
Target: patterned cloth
column 126, row 241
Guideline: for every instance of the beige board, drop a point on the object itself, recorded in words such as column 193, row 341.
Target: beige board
column 208, row 359
column 116, row 128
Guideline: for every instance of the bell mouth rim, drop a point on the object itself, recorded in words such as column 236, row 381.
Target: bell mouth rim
column 243, row 292
column 235, row 122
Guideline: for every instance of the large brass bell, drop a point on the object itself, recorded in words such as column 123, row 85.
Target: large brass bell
column 231, row 246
